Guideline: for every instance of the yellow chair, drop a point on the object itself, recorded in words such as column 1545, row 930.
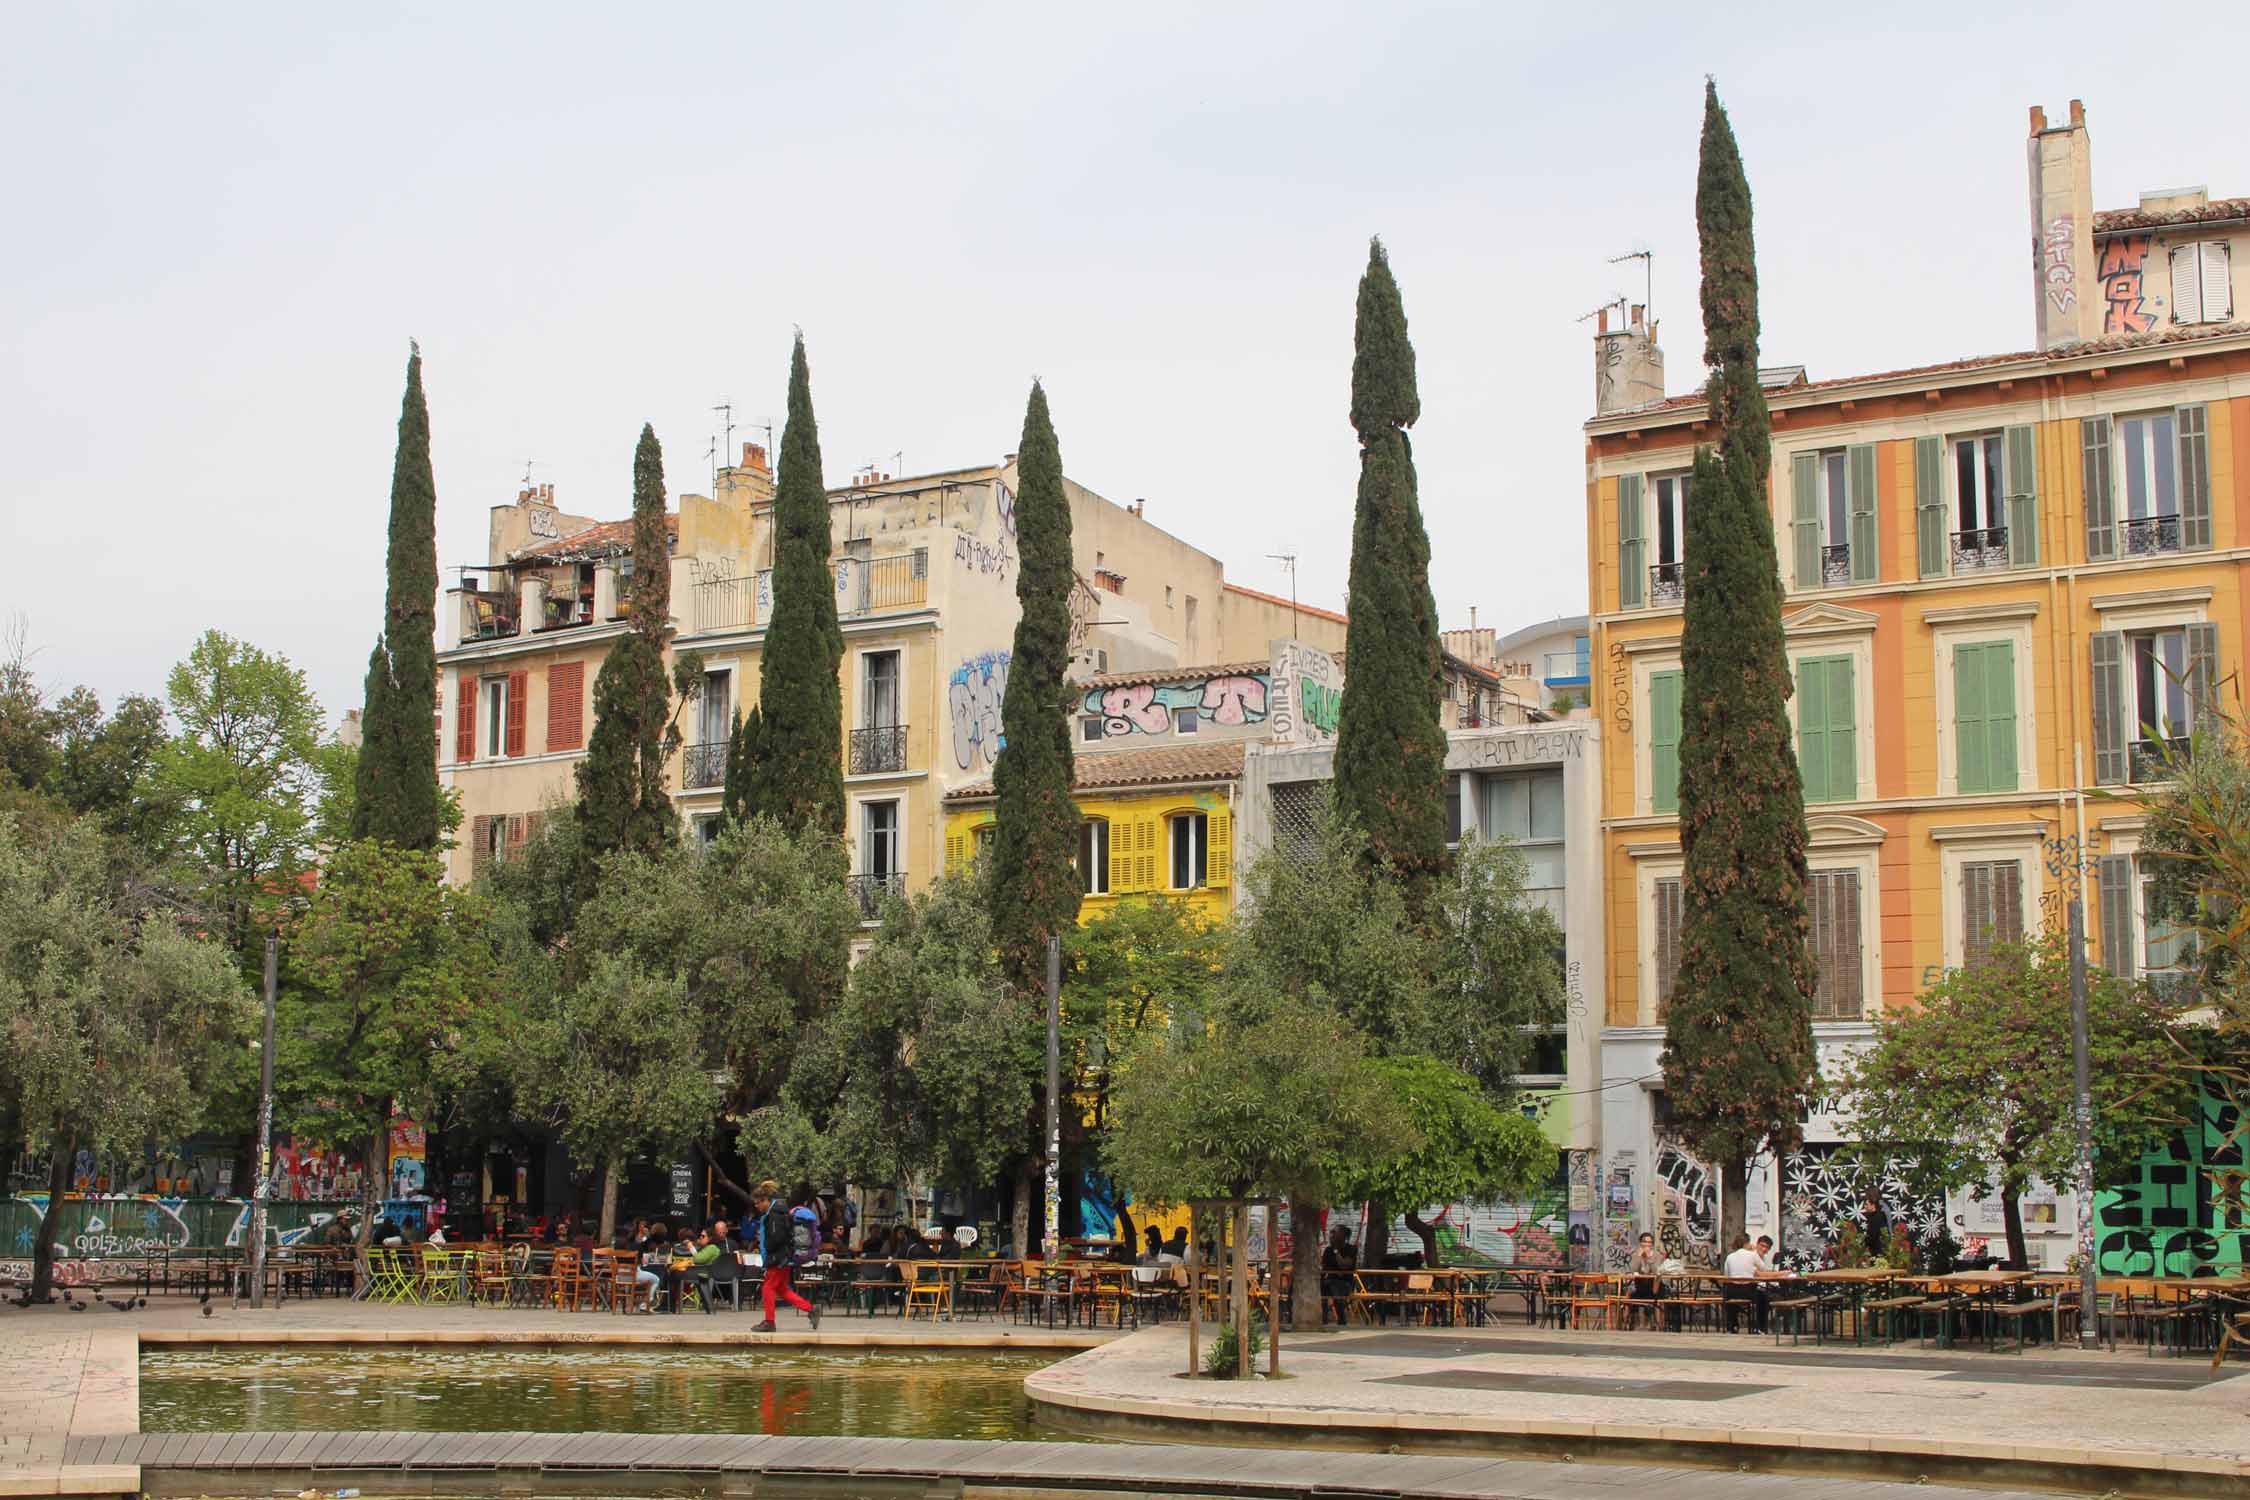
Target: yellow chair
column 932, row 1290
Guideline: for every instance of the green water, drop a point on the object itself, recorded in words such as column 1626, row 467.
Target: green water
column 469, row 1388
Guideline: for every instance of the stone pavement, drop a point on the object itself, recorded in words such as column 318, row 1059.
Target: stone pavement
column 1709, row 1398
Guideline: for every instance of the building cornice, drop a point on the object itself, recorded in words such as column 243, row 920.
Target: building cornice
column 1982, row 614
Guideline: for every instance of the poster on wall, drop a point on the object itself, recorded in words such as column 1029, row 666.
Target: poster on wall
column 2045, row 1211
column 409, row 1152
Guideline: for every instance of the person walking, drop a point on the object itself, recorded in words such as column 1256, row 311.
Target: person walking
column 775, row 1236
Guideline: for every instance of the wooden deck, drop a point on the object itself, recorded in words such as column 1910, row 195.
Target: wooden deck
column 549, row 1462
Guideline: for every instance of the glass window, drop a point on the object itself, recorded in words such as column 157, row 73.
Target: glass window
column 1186, row 720
column 1453, row 809
column 2160, row 687
column 1190, row 845
column 2148, row 460
column 879, row 838
column 1093, row 856
column 1526, row 809
column 493, row 693
column 1671, row 519
column 717, row 713
column 879, row 703
column 1090, row 728
column 1835, row 500
column 1980, row 499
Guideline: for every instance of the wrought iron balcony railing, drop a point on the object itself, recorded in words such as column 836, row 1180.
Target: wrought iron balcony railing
column 1980, row 550
column 872, row 890
column 2153, row 759
column 2146, row 534
column 1667, row 583
column 875, row 750
column 704, row 765
column 1836, row 563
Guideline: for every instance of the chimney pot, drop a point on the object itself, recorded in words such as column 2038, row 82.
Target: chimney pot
column 2077, row 113
column 1640, row 310
column 2038, row 118
column 1603, row 325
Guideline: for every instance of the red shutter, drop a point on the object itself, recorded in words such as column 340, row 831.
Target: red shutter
column 465, row 721
column 480, row 844
column 566, row 705
column 519, row 685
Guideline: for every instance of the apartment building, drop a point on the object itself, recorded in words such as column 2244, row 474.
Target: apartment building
column 2010, row 582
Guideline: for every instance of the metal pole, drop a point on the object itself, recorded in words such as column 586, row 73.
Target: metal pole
column 1053, row 1240
column 265, row 1136
column 1194, row 1296
column 2082, row 1065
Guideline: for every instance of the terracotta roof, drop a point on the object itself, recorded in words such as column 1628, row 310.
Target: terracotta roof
column 1303, row 609
column 1154, row 675
column 2117, row 220
column 599, row 540
column 2121, row 343
column 1158, row 764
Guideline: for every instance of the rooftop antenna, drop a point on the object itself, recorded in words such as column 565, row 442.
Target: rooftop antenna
column 725, row 409
column 1289, row 561
column 1617, row 302
column 711, row 453
column 1647, row 258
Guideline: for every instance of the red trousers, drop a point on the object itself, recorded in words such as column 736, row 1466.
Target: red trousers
column 776, row 1284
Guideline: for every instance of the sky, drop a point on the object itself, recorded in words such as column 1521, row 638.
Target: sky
column 225, row 223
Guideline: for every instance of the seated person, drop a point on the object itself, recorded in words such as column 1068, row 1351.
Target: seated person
column 1339, row 1263
column 1742, row 1268
column 1153, row 1247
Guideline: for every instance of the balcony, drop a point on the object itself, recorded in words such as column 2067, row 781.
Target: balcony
column 871, row 891
column 722, row 604
column 1566, row 668
column 1980, row 551
column 487, row 615
column 704, row 765
column 867, row 585
column 1667, row 583
column 877, row 750
column 2152, row 759
column 2145, row 536
column 1836, row 564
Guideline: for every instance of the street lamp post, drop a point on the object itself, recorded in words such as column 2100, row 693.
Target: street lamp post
column 1053, row 1239
column 265, row 1137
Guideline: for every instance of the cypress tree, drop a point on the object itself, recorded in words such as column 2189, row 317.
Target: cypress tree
column 796, row 770
column 622, row 800
column 735, row 802
column 1390, row 743
column 1738, row 1049
column 396, row 782
column 1035, row 885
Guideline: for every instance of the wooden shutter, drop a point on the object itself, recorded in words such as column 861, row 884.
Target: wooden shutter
column 566, row 705
column 1991, row 907
column 1804, row 511
column 519, row 690
column 480, row 845
column 1667, row 945
column 2023, row 498
column 1834, row 910
column 1827, row 752
column 2187, row 285
column 2193, row 429
column 953, row 854
column 2111, row 732
column 1843, row 731
column 1664, row 741
column 2113, row 881
column 2216, row 285
column 1812, row 730
column 518, row 832
column 2100, row 501
column 1218, row 846
column 1970, row 742
column 1632, row 550
column 465, row 719
column 1867, row 555
column 2202, row 675
column 1930, row 530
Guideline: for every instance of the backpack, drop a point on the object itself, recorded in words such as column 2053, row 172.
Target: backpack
column 804, row 1236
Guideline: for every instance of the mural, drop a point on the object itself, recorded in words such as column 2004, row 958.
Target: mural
column 1822, row 1190
column 2182, row 1213
column 972, row 700
column 1532, row 1233
column 1684, row 1192
column 2122, row 260
column 1306, row 696
column 1154, row 708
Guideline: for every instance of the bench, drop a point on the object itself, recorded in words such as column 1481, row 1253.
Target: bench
column 2020, row 1314
column 1886, row 1310
column 1797, row 1312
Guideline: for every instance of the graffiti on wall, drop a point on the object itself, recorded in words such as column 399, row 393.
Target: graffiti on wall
column 1306, row 694
column 985, row 559
column 1532, row 1232
column 1155, row 708
column 2122, row 260
column 973, row 703
column 2182, row 1212
column 1685, row 1195
column 2056, row 268
column 1822, row 1190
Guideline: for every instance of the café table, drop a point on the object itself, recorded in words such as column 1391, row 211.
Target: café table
column 1981, row 1291
column 1854, row 1284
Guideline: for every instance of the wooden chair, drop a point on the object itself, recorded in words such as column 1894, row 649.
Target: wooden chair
column 570, row 1286
column 1589, row 1294
column 488, row 1277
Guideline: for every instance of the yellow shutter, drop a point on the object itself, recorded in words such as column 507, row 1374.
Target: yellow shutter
column 1218, row 850
column 953, row 854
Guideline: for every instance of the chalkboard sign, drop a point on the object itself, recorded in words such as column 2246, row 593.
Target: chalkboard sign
column 683, row 1186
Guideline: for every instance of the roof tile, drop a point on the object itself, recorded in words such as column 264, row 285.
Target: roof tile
column 1158, row 764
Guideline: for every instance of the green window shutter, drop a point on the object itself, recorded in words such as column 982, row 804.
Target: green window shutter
column 1843, row 731
column 1867, row 546
column 1804, row 525
column 1812, row 730
column 2100, row 499
column 2202, row 674
column 2000, row 714
column 1970, row 740
column 2113, row 881
column 1929, row 506
column 2192, row 424
column 1664, row 741
column 1827, row 752
column 2111, row 732
column 2023, row 498
column 1632, row 565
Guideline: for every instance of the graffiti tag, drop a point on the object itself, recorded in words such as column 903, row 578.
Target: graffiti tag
column 982, row 557
column 2059, row 274
column 2122, row 261
column 973, row 700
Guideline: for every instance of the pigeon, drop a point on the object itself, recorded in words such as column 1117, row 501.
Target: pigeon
column 77, row 1307
column 205, row 1299
column 121, row 1306
column 207, row 1307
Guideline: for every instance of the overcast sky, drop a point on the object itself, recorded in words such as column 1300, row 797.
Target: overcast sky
column 225, row 222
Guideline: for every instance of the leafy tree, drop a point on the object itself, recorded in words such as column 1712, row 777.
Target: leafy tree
column 115, row 1016
column 395, row 777
column 1470, row 1149
column 1390, row 741
column 1974, row 1085
column 241, row 773
column 1035, row 884
column 797, row 773
column 623, row 802
column 1144, row 963
column 1738, row 1049
column 615, row 1064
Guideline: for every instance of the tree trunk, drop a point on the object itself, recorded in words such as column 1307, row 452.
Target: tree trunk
column 734, row 1189
column 1126, row 1234
column 58, row 1183
column 1427, row 1234
column 611, row 1170
column 372, row 1172
column 1375, row 1242
column 1028, row 1184
column 1241, row 1297
column 1734, row 1207
column 1304, row 1267
column 2011, row 1216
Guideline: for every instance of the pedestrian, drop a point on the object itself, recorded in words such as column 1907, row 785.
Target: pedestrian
column 1875, row 1224
column 775, row 1236
column 1765, row 1253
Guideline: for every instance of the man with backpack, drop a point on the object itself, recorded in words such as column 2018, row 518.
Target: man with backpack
column 782, row 1238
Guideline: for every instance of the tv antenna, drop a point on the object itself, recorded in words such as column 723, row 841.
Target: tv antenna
column 1647, row 258
column 1617, row 302
column 1289, row 561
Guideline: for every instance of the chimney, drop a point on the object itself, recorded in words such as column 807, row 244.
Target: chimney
column 1628, row 365
column 2062, row 230
column 754, row 458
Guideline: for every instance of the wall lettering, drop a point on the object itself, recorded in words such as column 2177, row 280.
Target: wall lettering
column 2059, row 273
column 973, row 702
column 2182, row 1213
column 1305, row 695
column 990, row 559
column 1621, row 689
column 1154, row 708
column 2122, row 260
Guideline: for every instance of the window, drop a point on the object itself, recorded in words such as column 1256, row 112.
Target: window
column 1833, row 904
column 879, row 852
column 1665, row 921
column 2157, row 679
column 1093, row 856
column 1090, row 728
column 494, row 693
column 1980, row 502
column 2149, row 686
column 2147, row 482
column 1833, row 526
column 1296, row 816
column 1991, row 907
column 1452, row 808
column 1827, row 731
column 1186, row 720
column 879, row 693
column 715, row 718
column 1526, row 809
column 1664, row 740
column 1984, row 715
column 706, row 832
column 2201, row 292
column 1191, row 834
column 1666, row 581
column 566, row 705
column 1835, row 515
column 496, row 838
column 2148, row 457
column 2167, row 949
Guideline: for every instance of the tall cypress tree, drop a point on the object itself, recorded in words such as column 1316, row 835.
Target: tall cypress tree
column 796, row 768
column 622, row 800
column 396, row 784
column 1390, row 742
column 1738, row 1046
column 735, row 802
column 1035, row 885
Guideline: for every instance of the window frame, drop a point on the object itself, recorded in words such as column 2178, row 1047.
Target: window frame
column 1090, row 728
column 1647, row 666
column 2200, row 251
column 492, row 711
column 1859, row 646
column 1648, row 877
column 1198, row 848
column 714, row 733
column 867, row 704
column 1993, row 469
column 1668, row 510
column 1956, row 853
column 2160, row 451
column 2165, row 683
column 1092, row 862
column 1487, row 785
column 1943, row 639
column 868, row 833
